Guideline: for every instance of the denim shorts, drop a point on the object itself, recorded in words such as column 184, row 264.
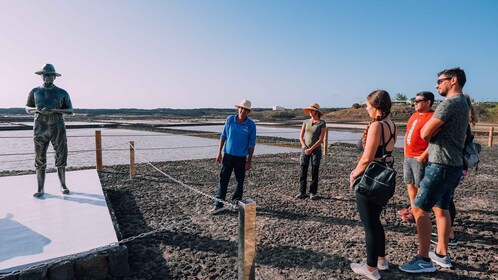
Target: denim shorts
column 413, row 171
column 438, row 186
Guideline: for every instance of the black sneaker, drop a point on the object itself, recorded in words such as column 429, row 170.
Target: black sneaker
column 301, row 196
column 313, row 197
column 451, row 242
column 216, row 210
column 235, row 204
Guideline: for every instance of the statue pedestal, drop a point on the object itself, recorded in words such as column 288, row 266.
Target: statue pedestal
column 38, row 230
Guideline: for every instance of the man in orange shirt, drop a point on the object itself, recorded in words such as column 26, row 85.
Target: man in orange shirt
column 416, row 151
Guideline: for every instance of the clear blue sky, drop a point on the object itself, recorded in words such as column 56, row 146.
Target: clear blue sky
column 199, row 54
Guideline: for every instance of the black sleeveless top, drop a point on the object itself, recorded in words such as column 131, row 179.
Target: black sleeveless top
column 381, row 148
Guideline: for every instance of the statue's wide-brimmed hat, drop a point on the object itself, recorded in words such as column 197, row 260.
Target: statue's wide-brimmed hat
column 313, row 106
column 48, row 69
column 244, row 104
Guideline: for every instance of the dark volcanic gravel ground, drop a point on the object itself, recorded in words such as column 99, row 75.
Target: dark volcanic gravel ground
column 296, row 239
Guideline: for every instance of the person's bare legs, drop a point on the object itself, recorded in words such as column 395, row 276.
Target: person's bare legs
column 443, row 225
column 412, row 192
column 424, row 228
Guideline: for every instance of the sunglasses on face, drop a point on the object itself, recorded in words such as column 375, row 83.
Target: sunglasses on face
column 439, row 81
column 419, row 100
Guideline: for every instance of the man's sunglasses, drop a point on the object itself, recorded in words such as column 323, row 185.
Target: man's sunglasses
column 419, row 100
column 442, row 80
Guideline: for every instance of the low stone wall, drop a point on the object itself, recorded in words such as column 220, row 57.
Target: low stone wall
column 109, row 263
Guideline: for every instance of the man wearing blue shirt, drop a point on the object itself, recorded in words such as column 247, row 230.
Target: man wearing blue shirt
column 237, row 141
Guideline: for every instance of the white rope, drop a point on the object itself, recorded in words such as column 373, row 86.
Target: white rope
column 230, row 205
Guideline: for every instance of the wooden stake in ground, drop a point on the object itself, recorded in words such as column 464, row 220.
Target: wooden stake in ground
column 490, row 140
column 98, row 150
column 247, row 239
column 132, row 159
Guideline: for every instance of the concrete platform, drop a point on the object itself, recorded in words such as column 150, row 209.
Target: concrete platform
column 36, row 230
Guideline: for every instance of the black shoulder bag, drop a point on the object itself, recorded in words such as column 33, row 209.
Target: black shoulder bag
column 378, row 181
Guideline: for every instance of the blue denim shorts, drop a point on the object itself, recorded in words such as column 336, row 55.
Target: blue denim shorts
column 438, row 186
column 413, row 171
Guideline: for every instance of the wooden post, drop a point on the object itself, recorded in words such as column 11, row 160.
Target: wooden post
column 247, row 239
column 491, row 132
column 132, row 159
column 98, row 149
column 326, row 142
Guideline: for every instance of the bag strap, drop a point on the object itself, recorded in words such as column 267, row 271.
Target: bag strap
column 384, row 154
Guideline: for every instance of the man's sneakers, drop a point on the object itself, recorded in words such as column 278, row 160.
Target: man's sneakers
column 383, row 264
column 362, row 269
column 301, row 196
column 417, row 265
column 451, row 241
column 216, row 210
column 443, row 261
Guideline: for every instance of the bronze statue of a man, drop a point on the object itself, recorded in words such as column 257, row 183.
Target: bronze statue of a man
column 48, row 103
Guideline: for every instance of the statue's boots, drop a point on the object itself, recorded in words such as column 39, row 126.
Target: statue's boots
column 61, row 171
column 40, row 177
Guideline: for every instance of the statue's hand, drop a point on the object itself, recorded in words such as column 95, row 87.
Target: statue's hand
column 45, row 111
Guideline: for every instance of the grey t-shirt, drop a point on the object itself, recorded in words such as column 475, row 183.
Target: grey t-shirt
column 313, row 131
column 447, row 145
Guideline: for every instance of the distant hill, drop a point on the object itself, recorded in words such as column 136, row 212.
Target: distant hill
column 486, row 112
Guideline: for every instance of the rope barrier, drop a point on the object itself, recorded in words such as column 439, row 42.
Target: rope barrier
column 162, row 134
column 230, row 205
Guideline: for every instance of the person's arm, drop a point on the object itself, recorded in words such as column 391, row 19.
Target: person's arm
column 30, row 104
column 62, row 111
column 373, row 141
column 431, row 128
column 220, row 149
column 301, row 135
column 31, row 110
column 249, row 158
column 423, row 157
column 252, row 145
column 223, row 138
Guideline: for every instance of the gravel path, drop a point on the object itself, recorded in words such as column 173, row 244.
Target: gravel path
column 296, row 239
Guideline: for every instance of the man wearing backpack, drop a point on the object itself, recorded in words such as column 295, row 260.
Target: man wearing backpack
column 445, row 132
column 416, row 151
column 470, row 160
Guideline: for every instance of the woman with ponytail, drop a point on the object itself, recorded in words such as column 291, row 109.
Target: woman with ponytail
column 381, row 125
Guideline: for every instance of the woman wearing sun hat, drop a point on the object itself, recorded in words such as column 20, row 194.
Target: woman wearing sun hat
column 311, row 137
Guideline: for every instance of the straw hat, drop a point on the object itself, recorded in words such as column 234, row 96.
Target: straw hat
column 313, row 106
column 244, row 104
column 48, row 69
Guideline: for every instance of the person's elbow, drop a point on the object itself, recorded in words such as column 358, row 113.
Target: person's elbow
column 425, row 135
